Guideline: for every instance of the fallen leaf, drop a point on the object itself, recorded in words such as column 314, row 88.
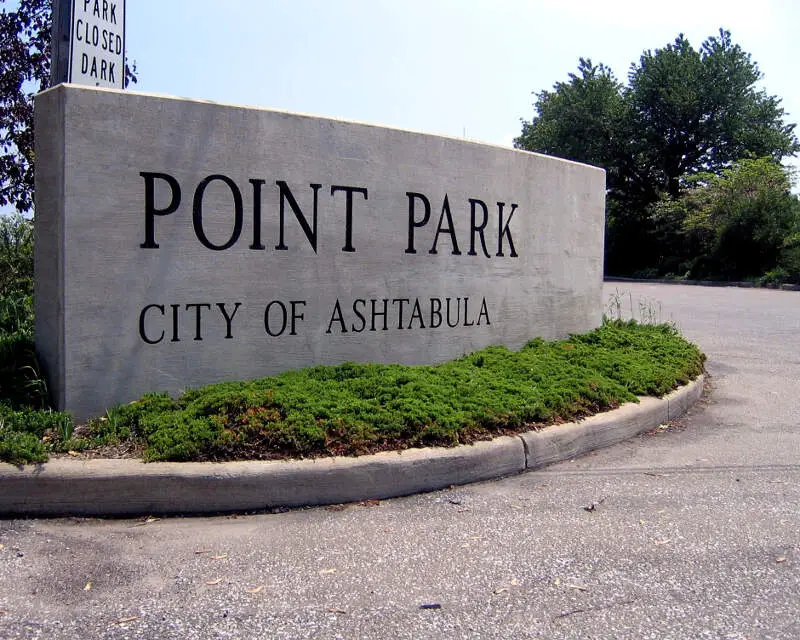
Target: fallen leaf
column 500, row 590
column 579, row 587
column 780, row 559
column 147, row 520
column 642, row 522
column 567, row 614
column 88, row 586
column 325, row 572
column 557, row 581
column 336, row 507
column 594, row 505
column 124, row 620
column 200, row 551
column 334, row 610
column 256, row 589
column 73, row 453
column 221, row 556
column 3, row 612
column 432, row 605
column 660, row 542
column 211, row 583
column 369, row 503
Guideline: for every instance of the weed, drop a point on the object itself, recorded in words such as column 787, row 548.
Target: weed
column 650, row 310
column 28, row 435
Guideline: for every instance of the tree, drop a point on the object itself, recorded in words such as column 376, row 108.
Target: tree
column 682, row 113
column 699, row 110
column 24, row 69
column 579, row 119
column 744, row 217
column 25, row 35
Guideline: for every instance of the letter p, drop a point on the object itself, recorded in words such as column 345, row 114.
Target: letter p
column 150, row 211
column 413, row 223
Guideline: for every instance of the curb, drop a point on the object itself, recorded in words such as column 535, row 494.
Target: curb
column 130, row 487
column 705, row 283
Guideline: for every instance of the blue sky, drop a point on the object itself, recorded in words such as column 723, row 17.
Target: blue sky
column 464, row 68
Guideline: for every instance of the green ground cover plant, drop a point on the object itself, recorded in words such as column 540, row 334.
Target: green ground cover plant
column 353, row 409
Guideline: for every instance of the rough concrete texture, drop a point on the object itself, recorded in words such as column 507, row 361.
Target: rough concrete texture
column 695, row 533
column 565, row 441
column 184, row 242
column 118, row 487
column 679, row 402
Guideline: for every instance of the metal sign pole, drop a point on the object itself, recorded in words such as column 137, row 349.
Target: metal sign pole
column 60, row 43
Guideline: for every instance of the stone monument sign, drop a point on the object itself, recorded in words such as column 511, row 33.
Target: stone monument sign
column 182, row 242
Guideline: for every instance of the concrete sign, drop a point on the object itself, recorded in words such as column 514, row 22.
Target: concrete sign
column 184, row 242
column 97, row 52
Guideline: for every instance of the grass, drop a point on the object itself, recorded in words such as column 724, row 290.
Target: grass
column 352, row 409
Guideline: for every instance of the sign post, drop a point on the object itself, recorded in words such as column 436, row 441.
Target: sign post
column 89, row 43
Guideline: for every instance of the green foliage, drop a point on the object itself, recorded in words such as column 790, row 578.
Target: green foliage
column 789, row 260
column 20, row 381
column 578, row 119
column 16, row 262
column 25, row 69
column 684, row 112
column 27, row 435
column 359, row 408
column 739, row 224
column 698, row 111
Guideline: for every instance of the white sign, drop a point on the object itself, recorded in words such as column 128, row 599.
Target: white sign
column 97, row 54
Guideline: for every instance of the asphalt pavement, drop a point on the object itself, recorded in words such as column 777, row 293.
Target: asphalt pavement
column 690, row 531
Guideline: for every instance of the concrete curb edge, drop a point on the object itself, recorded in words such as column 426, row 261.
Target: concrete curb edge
column 704, row 283
column 130, row 487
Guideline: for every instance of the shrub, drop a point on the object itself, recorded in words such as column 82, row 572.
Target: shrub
column 21, row 383
column 359, row 408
